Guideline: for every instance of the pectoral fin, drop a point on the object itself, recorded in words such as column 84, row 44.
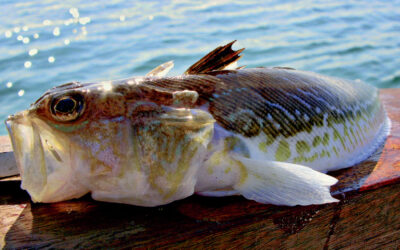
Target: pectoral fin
column 281, row 183
column 186, row 118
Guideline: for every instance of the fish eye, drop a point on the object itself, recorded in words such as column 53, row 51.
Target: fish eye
column 67, row 108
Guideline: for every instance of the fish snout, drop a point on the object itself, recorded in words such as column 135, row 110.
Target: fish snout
column 43, row 159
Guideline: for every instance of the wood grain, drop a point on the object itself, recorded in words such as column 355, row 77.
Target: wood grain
column 367, row 216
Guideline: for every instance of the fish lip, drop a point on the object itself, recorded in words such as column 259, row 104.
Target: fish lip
column 8, row 122
column 18, row 118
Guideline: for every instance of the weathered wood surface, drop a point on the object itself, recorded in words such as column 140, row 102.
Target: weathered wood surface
column 367, row 217
column 8, row 166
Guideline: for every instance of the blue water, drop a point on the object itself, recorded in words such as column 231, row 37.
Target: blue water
column 46, row 43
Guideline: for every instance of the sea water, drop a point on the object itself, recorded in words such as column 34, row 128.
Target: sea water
column 47, row 43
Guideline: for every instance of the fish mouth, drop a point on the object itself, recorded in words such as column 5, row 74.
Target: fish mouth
column 41, row 157
column 17, row 118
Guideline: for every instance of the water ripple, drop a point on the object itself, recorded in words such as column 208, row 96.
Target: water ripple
column 94, row 40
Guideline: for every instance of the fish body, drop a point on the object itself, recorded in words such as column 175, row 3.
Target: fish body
column 269, row 134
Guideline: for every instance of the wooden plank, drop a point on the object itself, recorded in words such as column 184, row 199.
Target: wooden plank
column 367, row 216
column 8, row 166
column 84, row 223
column 387, row 170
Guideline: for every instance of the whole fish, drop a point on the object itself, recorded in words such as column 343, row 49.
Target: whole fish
column 269, row 134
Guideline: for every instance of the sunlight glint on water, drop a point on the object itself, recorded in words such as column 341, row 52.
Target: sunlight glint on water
column 47, row 43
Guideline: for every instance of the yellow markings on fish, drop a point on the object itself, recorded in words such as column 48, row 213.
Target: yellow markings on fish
column 176, row 177
column 302, row 147
column 313, row 157
column 202, row 139
column 317, row 140
column 335, row 150
column 346, row 134
column 243, row 173
column 166, row 155
column 337, row 136
column 263, row 146
column 171, row 152
column 325, row 139
column 283, row 151
column 215, row 160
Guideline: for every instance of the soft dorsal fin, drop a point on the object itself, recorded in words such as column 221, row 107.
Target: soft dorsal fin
column 218, row 59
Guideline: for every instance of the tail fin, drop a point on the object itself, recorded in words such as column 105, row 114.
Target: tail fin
column 218, row 59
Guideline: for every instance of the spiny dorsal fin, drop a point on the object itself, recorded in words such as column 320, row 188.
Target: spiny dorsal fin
column 218, row 59
column 162, row 69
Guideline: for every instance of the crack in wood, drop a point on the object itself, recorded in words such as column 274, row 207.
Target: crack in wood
column 334, row 221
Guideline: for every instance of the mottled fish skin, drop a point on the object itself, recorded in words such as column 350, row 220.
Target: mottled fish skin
column 300, row 117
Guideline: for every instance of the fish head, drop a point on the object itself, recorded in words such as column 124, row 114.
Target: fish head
column 124, row 141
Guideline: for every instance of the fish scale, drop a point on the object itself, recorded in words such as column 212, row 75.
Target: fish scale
column 276, row 94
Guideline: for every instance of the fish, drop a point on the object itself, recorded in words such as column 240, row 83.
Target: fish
column 270, row 134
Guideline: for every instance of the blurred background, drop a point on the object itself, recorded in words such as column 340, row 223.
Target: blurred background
column 46, row 43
